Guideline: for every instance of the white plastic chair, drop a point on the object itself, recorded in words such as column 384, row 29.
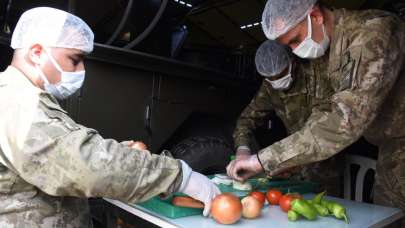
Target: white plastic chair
column 365, row 165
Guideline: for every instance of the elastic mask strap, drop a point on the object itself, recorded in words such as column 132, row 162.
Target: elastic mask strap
column 324, row 31
column 309, row 27
column 42, row 75
column 55, row 64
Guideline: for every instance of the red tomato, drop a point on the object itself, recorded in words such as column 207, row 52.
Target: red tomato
column 273, row 196
column 259, row 196
column 285, row 200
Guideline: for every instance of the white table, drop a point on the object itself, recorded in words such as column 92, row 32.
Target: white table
column 360, row 215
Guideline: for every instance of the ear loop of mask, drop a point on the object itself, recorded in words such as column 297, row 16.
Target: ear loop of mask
column 58, row 68
column 42, row 75
column 309, row 35
column 54, row 63
column 282, row 78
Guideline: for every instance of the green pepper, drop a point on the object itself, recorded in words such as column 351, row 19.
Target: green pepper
column 318, row 198
column 336, row 209
column 292, row 215
column 322, row 211
column 304, row 208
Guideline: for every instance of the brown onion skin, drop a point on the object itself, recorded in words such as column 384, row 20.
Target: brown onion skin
column 226, row 208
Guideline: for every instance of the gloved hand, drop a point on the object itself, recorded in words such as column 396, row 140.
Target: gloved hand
column 198, row 187
column 242, row 169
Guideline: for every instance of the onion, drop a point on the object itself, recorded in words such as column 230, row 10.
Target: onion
column 242, row 186
column 226, row 208
column 252, row 207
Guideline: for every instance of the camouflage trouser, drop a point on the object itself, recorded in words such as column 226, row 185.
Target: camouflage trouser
column 328, row 174
column 390, row 176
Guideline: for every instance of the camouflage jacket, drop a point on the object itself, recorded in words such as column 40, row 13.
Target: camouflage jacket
column 366, row 71
column 309, row 90
column 49, row 164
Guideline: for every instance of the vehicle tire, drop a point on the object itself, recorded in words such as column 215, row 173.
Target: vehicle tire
column 204, row 154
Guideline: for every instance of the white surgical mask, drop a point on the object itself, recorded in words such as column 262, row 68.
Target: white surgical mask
column 283, row 83
column 70, row 81
column 308, row 48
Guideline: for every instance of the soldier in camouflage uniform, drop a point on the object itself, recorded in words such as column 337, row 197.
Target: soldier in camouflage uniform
column 50, row 165
column 365, row 62
column 292, row 102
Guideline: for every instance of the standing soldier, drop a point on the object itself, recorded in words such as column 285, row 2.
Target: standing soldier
column 291, row 88
column 50, row 165
column 364, row 51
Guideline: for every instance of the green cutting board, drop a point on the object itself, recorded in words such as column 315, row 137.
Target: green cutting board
column 165, row 207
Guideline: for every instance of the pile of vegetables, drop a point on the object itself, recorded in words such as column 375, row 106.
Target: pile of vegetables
column 310, row 209
column 228, row 209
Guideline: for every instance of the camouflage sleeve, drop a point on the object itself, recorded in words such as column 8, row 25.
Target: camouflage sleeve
column 252, row 116
column 63, row 158
column 377, row 62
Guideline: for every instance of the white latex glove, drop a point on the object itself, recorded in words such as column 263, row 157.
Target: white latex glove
column 242, row 169
column 198, row 187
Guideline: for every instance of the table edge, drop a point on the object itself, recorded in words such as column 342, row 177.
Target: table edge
column 142, row 214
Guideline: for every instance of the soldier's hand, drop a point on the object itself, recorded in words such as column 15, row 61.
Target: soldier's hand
column 198, row 187
column 135, row 144
column 139, row 145
column 242, row 169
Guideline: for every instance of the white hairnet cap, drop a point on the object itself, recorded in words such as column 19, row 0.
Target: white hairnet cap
column 271, row 58
column 279, row 16
column 52, row 28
